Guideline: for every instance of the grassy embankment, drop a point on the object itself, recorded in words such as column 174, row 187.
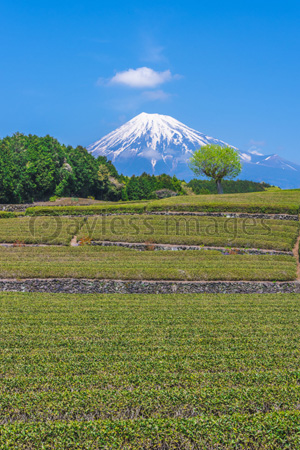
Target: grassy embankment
column 268, row 202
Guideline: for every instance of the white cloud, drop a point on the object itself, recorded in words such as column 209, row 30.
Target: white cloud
column 143, row 77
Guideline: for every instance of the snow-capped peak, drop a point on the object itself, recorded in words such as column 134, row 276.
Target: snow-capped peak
column 255, row 152
column 152, row 136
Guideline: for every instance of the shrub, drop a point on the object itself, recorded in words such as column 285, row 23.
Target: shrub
column 165, row 193
column 7, row 214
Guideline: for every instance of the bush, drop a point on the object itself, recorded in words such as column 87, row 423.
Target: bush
column 7, row 214
column 165, row 193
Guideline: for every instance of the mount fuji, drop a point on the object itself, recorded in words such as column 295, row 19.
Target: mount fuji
column 155, row 143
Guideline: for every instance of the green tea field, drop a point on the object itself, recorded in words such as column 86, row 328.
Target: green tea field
column 189, row 230
column 151, row 372
column 268, row 202
column 127, row 264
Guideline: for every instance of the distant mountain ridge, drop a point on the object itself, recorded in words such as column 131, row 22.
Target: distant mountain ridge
column 156, row 143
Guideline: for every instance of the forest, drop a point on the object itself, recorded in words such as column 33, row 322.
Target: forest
column 34, row 168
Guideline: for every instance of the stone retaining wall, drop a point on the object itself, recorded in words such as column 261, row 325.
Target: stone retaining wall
column 23, row 207
column 15, row 208
column 85, row 286
column 227, row 215
column 175, row 247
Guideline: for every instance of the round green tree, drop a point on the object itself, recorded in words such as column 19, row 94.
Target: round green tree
column 217, row 163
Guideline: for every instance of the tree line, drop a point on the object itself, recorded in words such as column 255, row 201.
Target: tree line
column 147, row 186
column 34, row 168
column 229, row 186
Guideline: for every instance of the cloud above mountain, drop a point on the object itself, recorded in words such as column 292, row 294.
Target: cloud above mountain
column 141, row 78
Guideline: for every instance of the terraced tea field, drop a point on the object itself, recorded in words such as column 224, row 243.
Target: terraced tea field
column 37, row 230
column 191, row 230
column 126, row 264
column 284, row 202
column 208, row 231
column 168, row 372
column 152, row 372
column 269, row 202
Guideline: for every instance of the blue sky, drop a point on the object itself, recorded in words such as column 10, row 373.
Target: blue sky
column 77, row 70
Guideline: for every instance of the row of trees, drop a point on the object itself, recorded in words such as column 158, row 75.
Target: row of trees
column 35, row 168
column 229, row 186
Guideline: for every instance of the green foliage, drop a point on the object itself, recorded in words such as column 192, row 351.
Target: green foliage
column 109, row 183
column 150, row 371
column 204, row 187
column 274, row 430
column 144, row 186
column 104, row 208
column 7, row 214
column 53, row 198
column 216, row 162
column 35, row 168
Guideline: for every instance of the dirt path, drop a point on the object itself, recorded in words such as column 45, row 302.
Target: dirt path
column 74, row 242
column 296, row 254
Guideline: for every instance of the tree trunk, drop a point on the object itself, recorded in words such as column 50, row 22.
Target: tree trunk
column 219, row 187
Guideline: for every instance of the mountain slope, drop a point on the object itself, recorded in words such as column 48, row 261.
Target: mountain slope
column 158, row 144
column 150, row 142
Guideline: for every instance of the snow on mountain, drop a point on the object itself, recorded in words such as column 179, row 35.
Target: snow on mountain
column 157, row 144
column 152, row 140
